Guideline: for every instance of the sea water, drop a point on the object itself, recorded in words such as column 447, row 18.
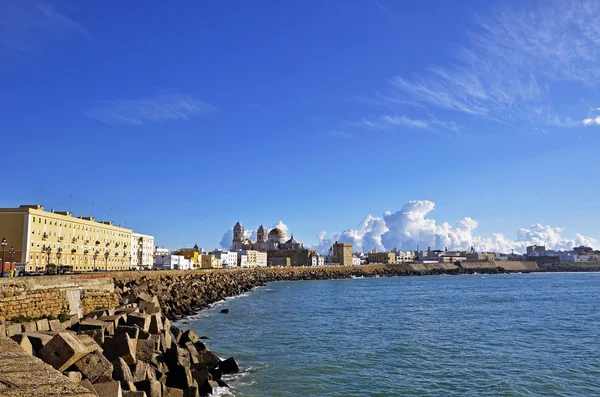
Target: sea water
column 476, row 335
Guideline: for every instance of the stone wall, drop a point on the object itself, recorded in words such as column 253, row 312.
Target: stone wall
column 54, row 295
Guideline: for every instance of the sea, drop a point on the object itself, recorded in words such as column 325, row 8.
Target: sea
column 470, row 335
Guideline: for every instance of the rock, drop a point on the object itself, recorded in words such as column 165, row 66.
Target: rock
column 94, row 366
column 2, row 329
column 88, row 385
column 189, row 346
column 146, row 298
column 109, row 389
column 177, row 356
column 145, row 349
column 23, row 341
column 156, row 324
column 121, row 371
column 152, row 388
column 188, row 336
column 74, row 376
column 222, row 383
column 62, row 351
column 191, row 392
column 229, row 366
column 208, row 358
column 215, row 373
column 128, row 310
column 166, row 340
column 176, row 334
column 166, row 323
column 200, row 373
column 42, row 324
column 120, row 346
column 180, row 377
column 55, row 325
column 116, row 319
column 142, row 320
column 225, row 311
column 149, row 307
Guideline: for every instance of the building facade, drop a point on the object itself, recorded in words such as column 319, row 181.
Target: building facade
column 40, row 238
column 229, row 259
column 209, row 261
column 388, row 258
column 342, row 254
column 142, row 251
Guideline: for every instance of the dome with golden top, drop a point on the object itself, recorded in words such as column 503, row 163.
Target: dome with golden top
column 277, row 232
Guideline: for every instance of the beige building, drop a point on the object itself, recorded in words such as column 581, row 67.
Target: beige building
column 40, row 238
column 388, row 258
column 209, row 261
column 342, row 254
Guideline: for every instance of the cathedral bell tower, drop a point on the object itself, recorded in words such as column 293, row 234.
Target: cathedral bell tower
column 238, row 237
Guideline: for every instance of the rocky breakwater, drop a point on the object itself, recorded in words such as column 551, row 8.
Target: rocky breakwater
column 183, row 293
column 128, row 351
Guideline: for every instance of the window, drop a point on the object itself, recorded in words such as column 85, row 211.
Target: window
column 31, row 257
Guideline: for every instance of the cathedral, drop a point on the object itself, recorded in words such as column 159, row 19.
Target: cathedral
column 273, row 241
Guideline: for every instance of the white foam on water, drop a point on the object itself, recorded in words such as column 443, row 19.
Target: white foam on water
column 222, row 392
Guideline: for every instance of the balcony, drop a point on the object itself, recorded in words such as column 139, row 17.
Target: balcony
column 86, row 251
column 60, row 238
column 107, row 244
column 45, row 236
column 59, row 250
column 87, row 240
column 97, row 242
column 74, row 240
column 73, row 250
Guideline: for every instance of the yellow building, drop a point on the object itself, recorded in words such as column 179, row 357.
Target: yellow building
column 388, row 258
column 192, row 254
column 342, row 254
column 40, row 238
column 209, row 261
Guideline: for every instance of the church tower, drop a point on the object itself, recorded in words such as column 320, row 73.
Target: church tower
column 238, row 237
column 261, row 239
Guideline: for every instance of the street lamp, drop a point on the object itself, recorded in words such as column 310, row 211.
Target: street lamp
column 48, row 251
column 12, row 251
column 4, row 243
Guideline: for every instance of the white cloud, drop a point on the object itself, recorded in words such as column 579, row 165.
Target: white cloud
column 26, row 26
column 513, row 64
column 592, row 121
column 408, row 228
column 388, row 122
column 164, row 107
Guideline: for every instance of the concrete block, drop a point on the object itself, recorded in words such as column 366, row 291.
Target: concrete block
column 128, row 310
column 132, row 331
column 96, row 314
column 93, row 366
column 55, row 325
column 229, row 366
column 109, row 389
column 74, row 376
column 142, row 320
column 152, row 388
column 139, row 371
column 175, row 392
column 2, row 329
column 89, row 342
column 149, row 307
column 200, row 373
column 96, row 334
column 176, row 334
column 120, row 346
column 88, row 385
column 189, row 346
column 134, row 394
column 116, row 319
column 166, row 341
column 23, row 341
column 191, row 392
column 207, row 387
column 89, row 324
column 42, row 324
column 29, row 327
column 208, row 358
column 143, row 296
column 156, row 324
column 121, row 371
column 62, row 351
column 188, row 336
column 38, row 340
column 13, row 329
column 145, row 349
column 166, row 323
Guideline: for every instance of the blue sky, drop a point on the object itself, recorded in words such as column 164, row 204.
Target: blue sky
column 179, row 119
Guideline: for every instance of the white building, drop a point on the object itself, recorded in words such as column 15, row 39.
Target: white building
column 228, row 258
column 173, row 262
column 317, row 260
column 142, row 251
column 356, row 261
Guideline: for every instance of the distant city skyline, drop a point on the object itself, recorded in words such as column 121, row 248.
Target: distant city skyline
column 179, row 119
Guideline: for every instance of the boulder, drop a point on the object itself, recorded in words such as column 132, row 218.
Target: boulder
column 142, row 320
column 120, row 346
column 109, row 389
column 174, row 392
column 62, row 351
column 177, row 356
column 208, row 358
column 23, row 341
column 191, row 392
column 229, row 366
column 149, row 307
column 129, row 393
column 200, row 373
column 89, row 342
column 139, row 371
column 207, row 387
column 176, row 333
column 145, row 349
column 152, row 388
column 224, row 311
column 96, row 334
column 189, row 346
column 93, row 366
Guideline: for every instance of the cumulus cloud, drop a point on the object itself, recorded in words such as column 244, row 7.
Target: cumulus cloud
column 410, row 228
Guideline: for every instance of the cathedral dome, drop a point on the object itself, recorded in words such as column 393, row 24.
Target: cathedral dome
column 277, row 232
